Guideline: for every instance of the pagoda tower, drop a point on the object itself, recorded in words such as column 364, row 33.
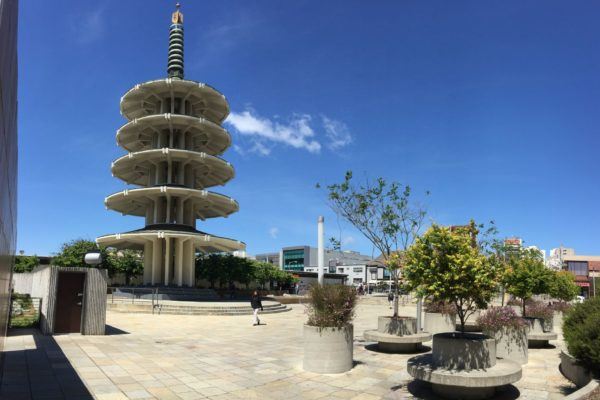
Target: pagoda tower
column 174, row 137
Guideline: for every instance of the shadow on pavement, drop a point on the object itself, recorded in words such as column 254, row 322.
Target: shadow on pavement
column 43, row 372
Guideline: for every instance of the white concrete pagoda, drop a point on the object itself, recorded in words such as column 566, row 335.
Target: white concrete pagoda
column 174, row 137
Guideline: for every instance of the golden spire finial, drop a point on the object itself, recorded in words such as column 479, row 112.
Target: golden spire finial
column 177, row 17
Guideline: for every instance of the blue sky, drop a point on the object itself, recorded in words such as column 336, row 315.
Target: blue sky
column 491, row 106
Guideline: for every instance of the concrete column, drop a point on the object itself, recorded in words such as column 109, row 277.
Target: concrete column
column 156, row 252
column 155, row 211
column 180, row 203
column 189, row 263
column 167, row 260
column 168, row 213
column 169, row 171
column 179, row 261
column 148, row 263
column 181, row 173
column 321, row 249
column 149, row 212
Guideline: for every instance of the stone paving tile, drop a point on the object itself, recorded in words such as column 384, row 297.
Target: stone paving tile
column 196, row 357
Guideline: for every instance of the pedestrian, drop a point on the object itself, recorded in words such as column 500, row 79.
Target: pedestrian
column 391, row 298
column 256, row 305
column 297, row 288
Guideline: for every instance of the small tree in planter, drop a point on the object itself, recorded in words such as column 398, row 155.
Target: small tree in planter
column 527, row 275
column 542, row 312
column 449, row 265
column 384, row 213
column 328, row 333
column 509, row 330
column 563, row 287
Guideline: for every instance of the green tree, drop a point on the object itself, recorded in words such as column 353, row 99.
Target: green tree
column 72, row 254
column 265, row 273
column 26, row 263
column 450, row 265
column 527, row 275
column 127, row 262
column 384, row 213
column 210, row 268
column 563, row 287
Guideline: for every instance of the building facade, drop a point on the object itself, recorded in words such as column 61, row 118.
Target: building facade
column 586, row 270
column 8, row 155
column 174, row 138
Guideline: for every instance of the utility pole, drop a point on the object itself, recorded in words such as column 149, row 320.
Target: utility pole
column 321, row 249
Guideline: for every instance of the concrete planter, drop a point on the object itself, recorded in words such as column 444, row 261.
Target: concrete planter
column 574, row 372
column 400, row 326
column 439, row 323
column 557, row 321
column 539, row 325
column 464, row 366
column 328, row 350
column 511, row 344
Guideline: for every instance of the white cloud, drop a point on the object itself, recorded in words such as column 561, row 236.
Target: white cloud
column 337, row 132
column 90, row 26
column 297, row 133
column 348, row 240
column 273, row 232
column 261, row 135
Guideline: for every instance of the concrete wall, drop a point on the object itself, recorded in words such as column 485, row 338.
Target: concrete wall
column 22, row 282
column 8, row 155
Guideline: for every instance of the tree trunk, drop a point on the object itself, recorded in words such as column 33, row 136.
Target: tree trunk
column 396, row 295
column 523, row 305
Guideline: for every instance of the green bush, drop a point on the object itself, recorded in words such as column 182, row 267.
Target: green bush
column 581, row 330
column 331, row 306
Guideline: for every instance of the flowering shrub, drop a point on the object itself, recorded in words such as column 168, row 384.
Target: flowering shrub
column 331, row 306
column 497, row 318
column 440, row 307
column 537, row 309
column 561, row 306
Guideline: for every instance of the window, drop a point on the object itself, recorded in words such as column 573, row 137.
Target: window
column 357, row 280
column 578, row 267
column 293, row 260
column 357, row 269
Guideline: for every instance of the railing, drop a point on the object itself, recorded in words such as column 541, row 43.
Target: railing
column 24, row 311
column 132, row 294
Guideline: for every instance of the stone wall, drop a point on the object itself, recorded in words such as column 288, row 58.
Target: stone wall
column 8, row 155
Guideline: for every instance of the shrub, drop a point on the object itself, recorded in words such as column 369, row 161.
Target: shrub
column 581, row 330
column 514, row 302
column 440, row 307
column 561, row 306
column 331, row 306
column 537, row 309
column 497, row 318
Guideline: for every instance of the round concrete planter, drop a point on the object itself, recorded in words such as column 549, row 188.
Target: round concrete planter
column 574, row 372
column 328, row 350
column 439, row 323
column 463, row 352
column 511, row 344
column 539, row 325
column 400, row 326
column 539, row 332
column 557, row 321
column 464, row 366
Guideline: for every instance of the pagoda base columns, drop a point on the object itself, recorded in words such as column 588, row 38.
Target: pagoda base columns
column 169, row 261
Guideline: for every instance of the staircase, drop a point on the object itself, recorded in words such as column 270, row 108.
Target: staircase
column 192, row 308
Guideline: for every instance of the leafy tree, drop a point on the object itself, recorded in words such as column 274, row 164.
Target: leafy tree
column 264, row 273
column 527, row 275
column 210, row 268
column 581, row 330
column 451, row 265
column 26, row 263
column 127, row 262
column 563, row 287
column 72, row 254
column 384, row 213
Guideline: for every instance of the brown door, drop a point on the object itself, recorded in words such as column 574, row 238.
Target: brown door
column 69, row 302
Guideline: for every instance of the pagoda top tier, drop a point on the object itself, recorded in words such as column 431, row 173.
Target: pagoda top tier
column 175, row 96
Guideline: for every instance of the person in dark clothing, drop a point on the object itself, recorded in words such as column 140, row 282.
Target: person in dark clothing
column 391, row 299
column 256, row 305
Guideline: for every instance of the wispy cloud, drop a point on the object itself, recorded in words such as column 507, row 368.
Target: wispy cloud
column 348, row 240
column 337, row 133
column 90, row 26
column 297, row 132
column 273, row 232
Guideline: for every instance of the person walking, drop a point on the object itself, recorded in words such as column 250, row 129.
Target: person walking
column 391, row 299
column 256, row 305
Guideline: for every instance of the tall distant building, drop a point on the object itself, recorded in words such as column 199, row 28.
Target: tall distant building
column 8, row 155
column 174, row 137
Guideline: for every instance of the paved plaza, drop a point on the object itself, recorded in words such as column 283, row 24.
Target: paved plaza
column 224, row 357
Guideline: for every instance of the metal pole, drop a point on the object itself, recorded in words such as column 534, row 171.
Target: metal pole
column 321, row 249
